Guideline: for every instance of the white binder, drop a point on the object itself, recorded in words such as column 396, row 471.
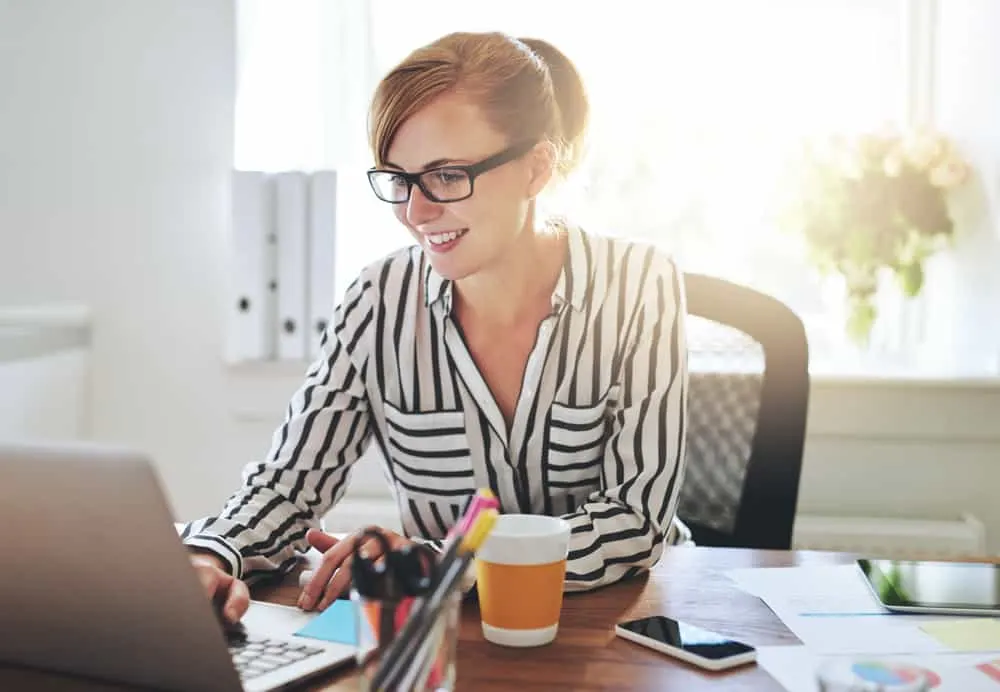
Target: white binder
column 253, row 309
column 322, row 246
column 292, row 231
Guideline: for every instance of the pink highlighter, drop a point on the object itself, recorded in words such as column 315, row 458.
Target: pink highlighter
column 483, row 499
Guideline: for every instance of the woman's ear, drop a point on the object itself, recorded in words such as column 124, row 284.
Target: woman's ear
column 541, row 166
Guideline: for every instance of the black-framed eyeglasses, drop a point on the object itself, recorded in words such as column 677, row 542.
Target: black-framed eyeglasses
column 442, row 184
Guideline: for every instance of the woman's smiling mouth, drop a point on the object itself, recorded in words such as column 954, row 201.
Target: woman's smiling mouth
column 443, row 242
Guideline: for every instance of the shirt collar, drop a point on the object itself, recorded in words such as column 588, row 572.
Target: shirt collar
column 576, row 277
column 436, row 287
column 572, row 287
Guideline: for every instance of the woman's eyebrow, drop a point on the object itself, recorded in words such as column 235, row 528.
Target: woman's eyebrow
column 427, row 166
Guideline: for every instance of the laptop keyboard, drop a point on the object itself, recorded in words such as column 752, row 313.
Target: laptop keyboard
column 255, row 656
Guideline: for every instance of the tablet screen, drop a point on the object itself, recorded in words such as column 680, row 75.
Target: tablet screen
column 968, row 585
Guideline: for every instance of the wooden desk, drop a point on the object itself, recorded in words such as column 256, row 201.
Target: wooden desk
column 688, row 583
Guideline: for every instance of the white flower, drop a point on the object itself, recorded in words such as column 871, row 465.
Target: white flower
column 892, row 165
column 949, row 173
column 921, row 148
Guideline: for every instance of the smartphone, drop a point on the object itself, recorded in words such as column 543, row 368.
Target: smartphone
column 692, row 644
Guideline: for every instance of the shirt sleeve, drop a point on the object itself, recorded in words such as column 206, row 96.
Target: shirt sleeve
column 621, row 529
column 326, row 429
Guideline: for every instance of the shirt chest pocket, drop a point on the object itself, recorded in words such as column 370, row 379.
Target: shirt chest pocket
column 429, row 453
column 576, row 443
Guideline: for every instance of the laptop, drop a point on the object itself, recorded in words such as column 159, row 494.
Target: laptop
column 96, row 582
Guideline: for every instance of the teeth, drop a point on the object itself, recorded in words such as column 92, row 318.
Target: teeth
column 442, row 238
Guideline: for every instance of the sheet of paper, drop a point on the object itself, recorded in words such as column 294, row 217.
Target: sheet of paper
column 860, row 635
column 335, row 624
column 968, row 634
column 795, row 668
column 792, row 667
column 832, row 611
column 811, row 591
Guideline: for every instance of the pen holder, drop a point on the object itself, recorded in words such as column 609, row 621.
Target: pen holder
column 430, row 662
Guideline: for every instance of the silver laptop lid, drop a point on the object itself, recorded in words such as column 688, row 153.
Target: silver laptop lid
column 95, row 580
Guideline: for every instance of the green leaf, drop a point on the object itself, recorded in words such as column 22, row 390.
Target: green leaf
column 860, row 321
column 911, row 278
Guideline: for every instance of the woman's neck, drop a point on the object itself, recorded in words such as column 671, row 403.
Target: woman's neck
column 520, row 284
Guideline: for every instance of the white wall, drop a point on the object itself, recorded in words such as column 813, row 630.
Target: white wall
column 115, row 147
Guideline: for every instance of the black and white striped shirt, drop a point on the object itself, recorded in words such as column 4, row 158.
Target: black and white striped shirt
column 597, row 436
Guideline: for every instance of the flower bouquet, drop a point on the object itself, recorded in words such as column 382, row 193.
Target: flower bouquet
column 872, row 202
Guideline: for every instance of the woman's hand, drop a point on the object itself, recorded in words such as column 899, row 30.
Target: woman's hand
column 333, row 576
column 230, row 595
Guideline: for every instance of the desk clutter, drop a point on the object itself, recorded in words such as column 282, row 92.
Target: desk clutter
column 404, row 615
column 850, row 642
column 407, row 604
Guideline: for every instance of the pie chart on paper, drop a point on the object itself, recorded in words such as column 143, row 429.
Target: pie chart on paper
column 992, row 669
column 891, row 674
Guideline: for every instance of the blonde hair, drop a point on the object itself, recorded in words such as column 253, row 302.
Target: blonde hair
column 526, row 88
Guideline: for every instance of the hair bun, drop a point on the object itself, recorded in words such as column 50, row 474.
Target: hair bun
column 570, row 96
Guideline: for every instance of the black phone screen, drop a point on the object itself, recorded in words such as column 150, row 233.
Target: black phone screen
column 692, row 639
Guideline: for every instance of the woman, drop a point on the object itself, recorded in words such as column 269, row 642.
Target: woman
column 500, row 351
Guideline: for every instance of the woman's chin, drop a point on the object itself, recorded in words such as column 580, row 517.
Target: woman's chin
column 450, row 268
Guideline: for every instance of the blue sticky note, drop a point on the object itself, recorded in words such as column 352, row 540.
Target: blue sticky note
column 335, row 624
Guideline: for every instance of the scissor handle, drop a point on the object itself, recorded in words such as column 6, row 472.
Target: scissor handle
column 415, row 566
column 408, row 571
column 367, row 576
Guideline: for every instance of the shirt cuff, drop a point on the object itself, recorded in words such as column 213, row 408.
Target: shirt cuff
column 679, row 533
column 219, row 547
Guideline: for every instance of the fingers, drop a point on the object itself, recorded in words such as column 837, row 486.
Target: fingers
column 341, row 579
column 237, row 601
column 228, row 593
column 372, row 550
column 337, row 585
column 332, row 560
column 334, row 575
column 210, row 578
column 320, row 540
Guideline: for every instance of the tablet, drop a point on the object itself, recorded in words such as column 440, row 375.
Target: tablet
column 916, row 586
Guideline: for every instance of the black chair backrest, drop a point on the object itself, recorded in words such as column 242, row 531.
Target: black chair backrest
column 747, row 406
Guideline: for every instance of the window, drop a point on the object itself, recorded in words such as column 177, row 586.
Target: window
column 696, row 106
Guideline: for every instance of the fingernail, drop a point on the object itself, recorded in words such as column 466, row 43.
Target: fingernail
column 302, row 601
column 232, row 614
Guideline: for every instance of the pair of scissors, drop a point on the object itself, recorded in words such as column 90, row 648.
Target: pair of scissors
column 406, row 571
column 392, row 580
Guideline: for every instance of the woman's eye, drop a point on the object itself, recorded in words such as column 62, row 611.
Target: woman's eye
column 449, row 177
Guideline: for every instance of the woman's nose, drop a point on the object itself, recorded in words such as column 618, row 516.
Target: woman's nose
column 420, row 210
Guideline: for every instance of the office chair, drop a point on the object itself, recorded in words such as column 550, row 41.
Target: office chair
column 747, row 404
